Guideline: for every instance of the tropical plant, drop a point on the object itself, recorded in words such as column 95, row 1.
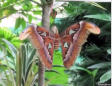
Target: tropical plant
column 7, row 57
column 26, row 69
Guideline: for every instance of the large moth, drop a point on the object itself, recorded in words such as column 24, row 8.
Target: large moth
column 71, row 41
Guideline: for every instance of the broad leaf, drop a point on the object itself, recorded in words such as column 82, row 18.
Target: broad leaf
column 18, row 23
column 104, row 17
column 94, row 72
column 12, row 48
column 57, row 75
column 105, row 77
column 100, row 65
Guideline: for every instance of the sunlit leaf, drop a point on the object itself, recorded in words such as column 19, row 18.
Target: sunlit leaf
column 104, row 17
column 94, row 72
column 109, row 51
column 19, row 69
column 105, row 77
column 18, row 23
column 29, row 18
column 100, row 65
column 12, row 48
column 81, row 68
column 23, row 23
column 97, row 5
column 60, row 77
column 37, row 12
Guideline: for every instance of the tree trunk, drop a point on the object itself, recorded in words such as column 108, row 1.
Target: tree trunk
column 46, row 16
column 46, row 24
column 41, row 70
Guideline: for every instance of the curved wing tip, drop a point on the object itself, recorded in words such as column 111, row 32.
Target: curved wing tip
column 91, row 27
column 94, row 30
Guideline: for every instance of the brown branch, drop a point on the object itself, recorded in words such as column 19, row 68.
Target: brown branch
column 41, row 71
column 46, row 24
column 46, row 16
column 3, row 17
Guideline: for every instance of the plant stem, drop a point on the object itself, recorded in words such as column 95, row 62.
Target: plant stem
column 46, row 16
column 45, row 23
column 41, row 71
column 93, row 81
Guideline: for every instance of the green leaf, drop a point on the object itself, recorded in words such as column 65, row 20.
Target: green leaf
column 57, row 75
column 51, row 20
column 37, row 12
column 18, row 23
column 109, row 51
column 11, row 47
column 25, row 63
column 3, row 68
column 100, row 65
column 23, row 22
column 7, row 34
column 25, row 7
column 97, row 5
column 104, row 17
column 19, row 68
column 94, row 72
column 105, row 77
column 29, row 61
column 30, row 18
column 1, row 85
column 80, row 68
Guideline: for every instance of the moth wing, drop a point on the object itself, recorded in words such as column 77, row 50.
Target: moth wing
column 68, row 38
column 73, row 38
column 46, row 51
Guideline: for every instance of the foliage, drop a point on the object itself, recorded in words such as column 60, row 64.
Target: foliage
column 8, row 61
column 7, row 34
column 25, row 64
column 57, row 76
column 7, row 56
column 23, row 70
column 104, row 17
column 28, row 11
column 105, row 77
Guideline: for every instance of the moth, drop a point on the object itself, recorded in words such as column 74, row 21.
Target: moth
column 71, row 41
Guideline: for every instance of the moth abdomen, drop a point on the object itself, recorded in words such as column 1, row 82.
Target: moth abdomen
column 56, row 44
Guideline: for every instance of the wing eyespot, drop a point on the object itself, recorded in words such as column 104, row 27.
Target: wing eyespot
column 49, row 46
column 73, row 31
column 44, row 34
column 66, row 45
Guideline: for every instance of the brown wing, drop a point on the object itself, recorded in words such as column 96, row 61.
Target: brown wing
column 73, row 38
column 67, row 44
column 46, row 52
